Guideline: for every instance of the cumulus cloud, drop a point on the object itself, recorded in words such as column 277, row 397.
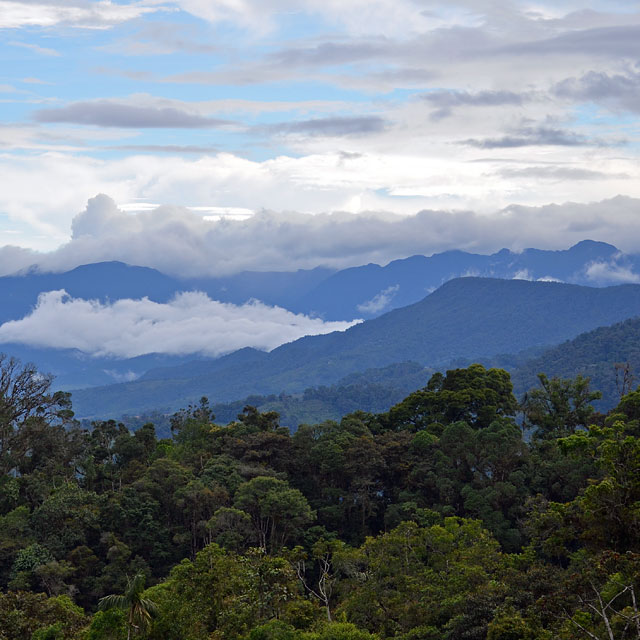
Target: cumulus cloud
column 105, row 113
column 380, row 301
column 180, row 242
column 190, row 323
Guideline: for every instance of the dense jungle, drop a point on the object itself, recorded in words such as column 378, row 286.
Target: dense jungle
column 460, row 513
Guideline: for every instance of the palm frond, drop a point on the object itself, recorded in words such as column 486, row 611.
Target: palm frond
column 113, row 601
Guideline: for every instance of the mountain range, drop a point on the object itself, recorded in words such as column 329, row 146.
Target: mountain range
column 358, row 292
column 415, row 309
column 465, row 318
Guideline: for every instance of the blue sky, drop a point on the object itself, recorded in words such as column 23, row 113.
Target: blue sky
column 333, row 108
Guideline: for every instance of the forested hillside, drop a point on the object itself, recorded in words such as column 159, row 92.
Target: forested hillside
column 467, row 317
column 610, row 356
column 433, row 520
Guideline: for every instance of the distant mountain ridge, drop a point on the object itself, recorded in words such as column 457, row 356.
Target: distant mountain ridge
column 352, row 292
column 363, row 292
column 110, row 281
column 466, row 317
column 358, row 292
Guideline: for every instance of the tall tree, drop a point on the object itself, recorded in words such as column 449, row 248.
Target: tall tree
column 139, row 610
column 25, row 398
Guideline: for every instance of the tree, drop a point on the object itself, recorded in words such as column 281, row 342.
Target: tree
column 25, row 399
column 322, row 553
column 610, row 508
column 139, row 610
column 416, row 577
column 599, row 598
column 277, row 511
column 25, row 616
column 475, row 395
column 559, row 406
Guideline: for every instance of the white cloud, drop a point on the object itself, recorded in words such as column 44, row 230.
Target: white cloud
column 44, row 51
column 612, row 271
column 319, row 180
column 91, row 14
column 127, row 376
column 181, row 242
column 380, row 301
column 389, row 17
column 190, row 323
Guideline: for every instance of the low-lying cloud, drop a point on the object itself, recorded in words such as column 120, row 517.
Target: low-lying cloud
column 190, row 323
column 612, row 271
column 380, row 301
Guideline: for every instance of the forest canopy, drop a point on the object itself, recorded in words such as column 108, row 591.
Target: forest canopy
column 459, row 513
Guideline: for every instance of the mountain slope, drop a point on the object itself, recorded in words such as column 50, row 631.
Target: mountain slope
column 592, row 354
column 467, row 317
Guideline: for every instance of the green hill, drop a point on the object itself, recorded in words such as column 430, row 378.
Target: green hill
column 592, row 354
column 468, row 317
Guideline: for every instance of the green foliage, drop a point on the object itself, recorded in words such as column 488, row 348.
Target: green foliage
column 25, row 615
column 107, row 625
column 276, row 510
column 415, row 577
column 473, row 395
column 233, row 594
column 434, row 521
column 510, row 625
column 138, row 609
column 340, row 631
column 31, row 558
column 558, row 407
column 610, row 508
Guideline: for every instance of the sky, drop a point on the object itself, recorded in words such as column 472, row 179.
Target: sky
column 376, row 129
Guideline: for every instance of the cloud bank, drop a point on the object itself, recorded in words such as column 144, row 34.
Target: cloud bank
column 190, row 323
column 181, row 242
